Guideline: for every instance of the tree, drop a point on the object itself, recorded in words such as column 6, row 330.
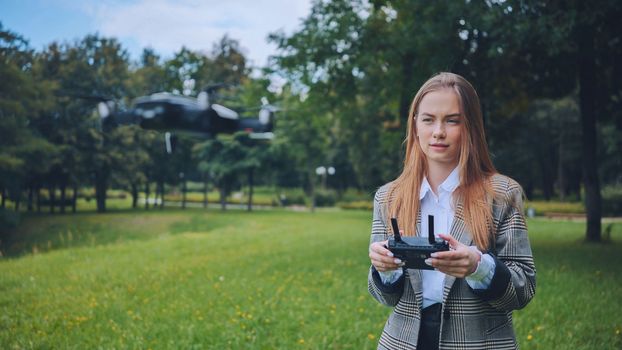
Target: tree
column 133, row 158
column 24, row 154
column 574, row 56
column 85, row 71
column 365, row 60
column 223, row 158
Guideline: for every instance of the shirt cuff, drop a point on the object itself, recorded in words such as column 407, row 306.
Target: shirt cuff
column 389, row 277
column 481, row 278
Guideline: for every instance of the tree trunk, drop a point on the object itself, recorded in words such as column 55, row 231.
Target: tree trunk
column 587, row 98
column 101, row 187
column 162, row 190
column 250, row 190
column 52, row 198
column 31, row 194
column 183, row 194
column 205, row 192
column 223, row 198
column 134, row 195
column 311, row 175
column 406, row 93
column 18, row 197
column 147, row 191
column 63, row 193
column 38, row 193
column 74, row 199
column 561, row 181
column 159, row 195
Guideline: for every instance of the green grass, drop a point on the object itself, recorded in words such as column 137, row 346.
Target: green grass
column 260, row 280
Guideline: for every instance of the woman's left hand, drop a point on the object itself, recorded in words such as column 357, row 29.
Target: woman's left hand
column 460, row 261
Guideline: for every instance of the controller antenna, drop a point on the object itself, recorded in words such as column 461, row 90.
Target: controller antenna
column 396, row 230
column 431, row 238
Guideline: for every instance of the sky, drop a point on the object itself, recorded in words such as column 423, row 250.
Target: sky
column 164, row 25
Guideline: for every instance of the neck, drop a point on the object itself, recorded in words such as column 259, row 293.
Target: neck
column 437, row 173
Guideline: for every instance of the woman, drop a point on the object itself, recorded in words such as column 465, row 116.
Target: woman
column 466, row 302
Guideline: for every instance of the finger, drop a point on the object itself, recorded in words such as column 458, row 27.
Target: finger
column 459, row 273
column 382, row 253
column 380, row 249
column 450, row 254
column 382, row 266
column 453, row 243
column 444, row 263
column 384, row 259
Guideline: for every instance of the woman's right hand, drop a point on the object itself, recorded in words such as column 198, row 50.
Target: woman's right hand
column 382, row 258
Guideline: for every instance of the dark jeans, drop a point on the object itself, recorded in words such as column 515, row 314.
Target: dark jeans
column 430, row 327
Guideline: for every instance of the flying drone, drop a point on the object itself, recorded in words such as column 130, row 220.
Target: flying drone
column 199, row 116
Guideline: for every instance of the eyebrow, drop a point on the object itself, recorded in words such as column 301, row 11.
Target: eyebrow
column 446, row 116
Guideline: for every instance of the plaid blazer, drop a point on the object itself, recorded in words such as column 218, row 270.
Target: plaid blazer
column 471, row 319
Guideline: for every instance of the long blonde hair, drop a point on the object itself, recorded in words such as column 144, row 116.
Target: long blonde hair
column 475, row 191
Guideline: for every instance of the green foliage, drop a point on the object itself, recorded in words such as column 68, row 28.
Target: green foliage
column 360, row 205
column 291, row 196
column 224, row 158
column 325, row 198
column 612, row 201
column 24, row 154
column 9, row 219
column 555, row 207
column 351, row 195
column 177, row 279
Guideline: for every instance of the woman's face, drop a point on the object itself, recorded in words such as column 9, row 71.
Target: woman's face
column 438, row 127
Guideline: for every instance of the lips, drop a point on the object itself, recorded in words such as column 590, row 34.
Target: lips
column 439, row 145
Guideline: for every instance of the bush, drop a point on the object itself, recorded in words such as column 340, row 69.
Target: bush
column 612, row 201
column 360, row 205
column 291, row 196
column 8, row 219
column 354, row 195
column 325, row 198
column 542, row 207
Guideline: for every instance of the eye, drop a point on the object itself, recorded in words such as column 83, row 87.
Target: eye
column 453, row 121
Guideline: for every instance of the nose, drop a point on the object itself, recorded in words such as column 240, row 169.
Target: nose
column 439, row 130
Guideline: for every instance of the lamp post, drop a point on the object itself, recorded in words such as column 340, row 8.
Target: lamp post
column 324, row 172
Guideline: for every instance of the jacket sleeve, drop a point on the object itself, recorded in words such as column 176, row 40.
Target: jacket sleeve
column 387, row 294
column 514, row 282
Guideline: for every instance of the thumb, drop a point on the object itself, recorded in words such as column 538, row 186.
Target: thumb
column 453, row 243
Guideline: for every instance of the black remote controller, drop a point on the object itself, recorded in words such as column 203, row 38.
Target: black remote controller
column 414, row 250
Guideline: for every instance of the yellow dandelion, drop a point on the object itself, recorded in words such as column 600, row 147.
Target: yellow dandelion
column 371, row 336
column 301, row 341
column 529, row 337
column 617, row 331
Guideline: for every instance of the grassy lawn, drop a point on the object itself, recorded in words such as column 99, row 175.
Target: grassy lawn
column 260, row 280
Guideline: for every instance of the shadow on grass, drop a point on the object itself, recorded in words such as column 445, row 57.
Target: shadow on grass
column 42, row 232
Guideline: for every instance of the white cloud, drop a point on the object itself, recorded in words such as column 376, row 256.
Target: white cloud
column 166, row 25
